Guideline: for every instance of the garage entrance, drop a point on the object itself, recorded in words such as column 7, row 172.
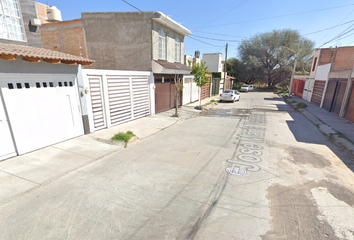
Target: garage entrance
column 43, row 109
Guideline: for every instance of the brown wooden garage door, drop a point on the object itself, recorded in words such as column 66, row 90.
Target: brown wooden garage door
column 317, row 92
column 165, row 96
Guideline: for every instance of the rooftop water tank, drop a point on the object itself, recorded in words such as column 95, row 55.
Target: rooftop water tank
column 54, row 14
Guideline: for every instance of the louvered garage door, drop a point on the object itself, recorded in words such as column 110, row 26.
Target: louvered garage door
column 99, row 120
column 318, row 92
column 141, row 97
column 338, row 97
column 129, row 98
column 43, row 109
column 328, row 99
column 119, row 99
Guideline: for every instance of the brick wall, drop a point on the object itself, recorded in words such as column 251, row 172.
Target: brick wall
column 344, row 59
column 42, row 12
column 327, row 55
column 206, row 90
column 66, row 36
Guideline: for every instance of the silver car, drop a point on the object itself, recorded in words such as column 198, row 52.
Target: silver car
column 230, row 95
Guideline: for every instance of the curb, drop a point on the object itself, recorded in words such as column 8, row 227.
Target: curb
column 334, row 136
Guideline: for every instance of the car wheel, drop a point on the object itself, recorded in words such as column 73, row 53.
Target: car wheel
column 220, row 100
column 238, row 99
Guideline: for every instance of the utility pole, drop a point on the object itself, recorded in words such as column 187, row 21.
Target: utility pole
column 292, row 75
column 225, row 67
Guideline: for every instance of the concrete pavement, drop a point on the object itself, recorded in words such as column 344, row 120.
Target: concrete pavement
column 339, row 130
column 21, row 174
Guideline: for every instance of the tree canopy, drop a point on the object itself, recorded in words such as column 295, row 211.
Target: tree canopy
column 200, row 71
column 265, row 57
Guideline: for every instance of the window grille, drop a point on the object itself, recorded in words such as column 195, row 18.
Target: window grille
column 178, row 50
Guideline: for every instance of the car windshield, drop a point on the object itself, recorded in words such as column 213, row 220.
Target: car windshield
column 228, row 91
column 244, row 85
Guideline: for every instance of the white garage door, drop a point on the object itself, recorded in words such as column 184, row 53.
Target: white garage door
column 43, row 109
column 7, row 148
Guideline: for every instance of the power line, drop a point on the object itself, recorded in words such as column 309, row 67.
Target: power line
column 202, row 41
column 339, row 35
column 223, row 14
column 280, row 16
column 219, row 34
column 215, row 39
column 132, row 5
column 338, row 24
column 327, row 28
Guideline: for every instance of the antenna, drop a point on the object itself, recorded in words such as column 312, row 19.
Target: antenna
column 131, row 5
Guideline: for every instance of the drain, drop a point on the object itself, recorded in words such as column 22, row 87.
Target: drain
column 236, row 171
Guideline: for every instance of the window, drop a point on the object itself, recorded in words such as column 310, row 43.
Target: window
column 177, row 50
column 162, row 44
column 10, row 21
column 314, row 64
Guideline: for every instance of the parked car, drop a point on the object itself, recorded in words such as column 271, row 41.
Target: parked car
column 246, row 88
column 230, row 95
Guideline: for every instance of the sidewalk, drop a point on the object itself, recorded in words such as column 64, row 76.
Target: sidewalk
column 21, row 174
column 340, row 130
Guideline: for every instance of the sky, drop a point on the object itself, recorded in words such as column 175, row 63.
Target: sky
column 214, row 23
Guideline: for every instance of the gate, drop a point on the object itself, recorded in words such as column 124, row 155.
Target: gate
column 318, row 92
column 338, row 97
column 328, row 99
column 216, row 86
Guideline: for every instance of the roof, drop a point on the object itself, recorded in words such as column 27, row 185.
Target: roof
column 33, row 54
column 169, row 67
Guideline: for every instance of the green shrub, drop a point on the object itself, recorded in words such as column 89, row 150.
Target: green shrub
column 125, row 137
column 285, row 95
column 300, row 105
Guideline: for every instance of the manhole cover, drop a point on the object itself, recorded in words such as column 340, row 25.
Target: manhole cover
column 236, row 171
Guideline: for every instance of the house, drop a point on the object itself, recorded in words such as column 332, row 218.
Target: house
column 147, row 46
column 332, row 84
column 215, row 66
column 39, row 94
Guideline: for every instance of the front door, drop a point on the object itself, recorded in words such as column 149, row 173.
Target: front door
column 7, row 148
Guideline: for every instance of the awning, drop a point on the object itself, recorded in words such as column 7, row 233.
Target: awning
column 33, row 54
column 169, row 68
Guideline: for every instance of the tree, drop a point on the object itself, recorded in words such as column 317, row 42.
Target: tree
column 243, row 73
column 178, row 86
column 266, row 53
column 200, row 71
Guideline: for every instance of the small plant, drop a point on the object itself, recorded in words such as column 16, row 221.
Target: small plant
column 125, row 137
column 292, row 101
column 285, row 95
column 213, row 100
column 300, row 105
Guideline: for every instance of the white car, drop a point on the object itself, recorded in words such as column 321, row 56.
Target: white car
column 246, row 88
column 230, row 95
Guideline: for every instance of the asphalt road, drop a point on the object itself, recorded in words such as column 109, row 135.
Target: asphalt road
column 254, row 169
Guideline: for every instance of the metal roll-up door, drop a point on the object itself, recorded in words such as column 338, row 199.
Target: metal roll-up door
column 338, row 97
column 119, row 97
column 328, row 99
column 141, row 96
column 99, row 120
column 317, row 92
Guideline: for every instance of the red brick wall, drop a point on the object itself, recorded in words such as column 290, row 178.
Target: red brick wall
column 42, row 12
column 72, row 37
column 326, row 55
column 344, row 59
column 206, row 90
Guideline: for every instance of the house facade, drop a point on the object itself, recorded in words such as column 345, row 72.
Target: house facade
column 331, row 84
column 127, row 41
column 40, row 102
